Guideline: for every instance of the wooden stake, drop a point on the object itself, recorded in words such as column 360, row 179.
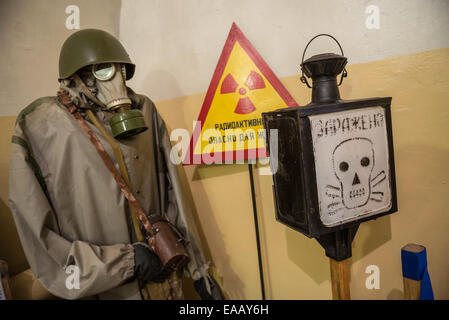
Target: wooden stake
column 340, row 278
column 412, row 288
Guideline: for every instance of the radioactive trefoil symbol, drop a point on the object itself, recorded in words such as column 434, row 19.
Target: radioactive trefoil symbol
column 353, row 163
column 253, row 82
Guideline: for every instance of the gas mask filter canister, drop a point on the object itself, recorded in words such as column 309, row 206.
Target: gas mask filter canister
column 110, row 82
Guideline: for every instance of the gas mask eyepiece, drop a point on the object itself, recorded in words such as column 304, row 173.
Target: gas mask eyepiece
column 103, row 71
column 110, row 82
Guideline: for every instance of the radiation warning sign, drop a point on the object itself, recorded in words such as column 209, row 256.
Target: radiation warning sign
column 229, row 126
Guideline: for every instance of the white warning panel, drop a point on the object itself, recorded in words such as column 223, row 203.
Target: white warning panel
column 352, row 164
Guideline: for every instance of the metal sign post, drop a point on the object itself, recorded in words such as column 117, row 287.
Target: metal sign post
column 229, row 127
column 256, row 226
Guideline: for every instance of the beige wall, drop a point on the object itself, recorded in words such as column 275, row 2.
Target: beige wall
column 176, row 46
column 295, row 266
column 403, row 60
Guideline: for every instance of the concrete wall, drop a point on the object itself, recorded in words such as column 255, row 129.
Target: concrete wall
column 31, row 35
column 176, row 45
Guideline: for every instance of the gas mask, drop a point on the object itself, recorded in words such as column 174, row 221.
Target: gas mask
column 112, row 95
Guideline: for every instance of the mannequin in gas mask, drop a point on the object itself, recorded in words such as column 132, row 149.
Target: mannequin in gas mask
column 67, row 206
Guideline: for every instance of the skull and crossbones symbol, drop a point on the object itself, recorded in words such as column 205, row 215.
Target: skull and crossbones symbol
column 353, row 164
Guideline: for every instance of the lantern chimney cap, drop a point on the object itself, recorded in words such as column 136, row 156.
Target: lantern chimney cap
column 325, row 64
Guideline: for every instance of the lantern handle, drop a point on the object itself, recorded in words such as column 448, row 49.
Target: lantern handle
column 304, row 79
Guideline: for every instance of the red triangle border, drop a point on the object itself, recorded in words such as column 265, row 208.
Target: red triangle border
column 235, row 34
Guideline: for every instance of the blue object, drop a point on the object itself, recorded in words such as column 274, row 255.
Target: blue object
column 414, row 266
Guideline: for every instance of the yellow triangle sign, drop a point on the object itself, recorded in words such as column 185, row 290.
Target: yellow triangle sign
column 229, row 126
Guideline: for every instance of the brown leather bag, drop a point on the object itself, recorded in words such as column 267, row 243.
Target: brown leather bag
column 163, row 237
column 168, row 244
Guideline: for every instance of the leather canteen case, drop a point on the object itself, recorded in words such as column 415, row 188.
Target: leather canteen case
column 167, row 243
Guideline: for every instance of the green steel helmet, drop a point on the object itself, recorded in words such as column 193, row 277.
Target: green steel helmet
column 92, row 46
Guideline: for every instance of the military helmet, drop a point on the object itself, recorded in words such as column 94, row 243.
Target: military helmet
column 92, row 46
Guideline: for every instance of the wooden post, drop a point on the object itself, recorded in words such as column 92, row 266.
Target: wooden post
column 340, row 277
column 412, row 288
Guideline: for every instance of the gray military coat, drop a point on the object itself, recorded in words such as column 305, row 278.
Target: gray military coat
column 69, row 210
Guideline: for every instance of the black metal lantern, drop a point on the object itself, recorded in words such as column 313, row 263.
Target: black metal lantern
column 334, row 162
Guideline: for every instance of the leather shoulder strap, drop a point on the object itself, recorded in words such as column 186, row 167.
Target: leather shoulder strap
column 65, row 99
